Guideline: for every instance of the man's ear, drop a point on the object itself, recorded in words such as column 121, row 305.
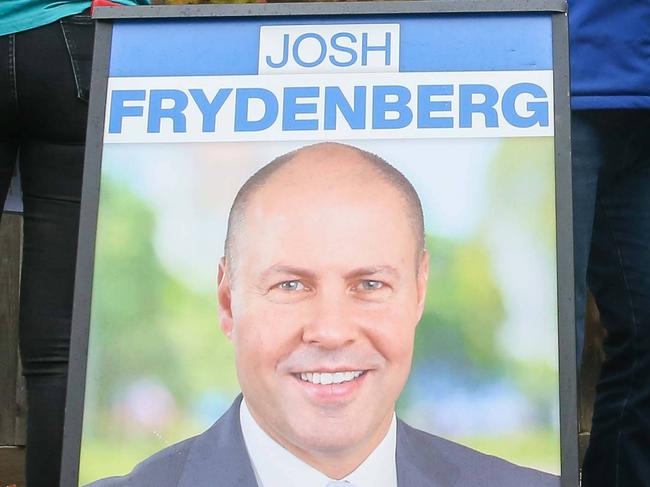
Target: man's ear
column 224, row 296
column 422, row 280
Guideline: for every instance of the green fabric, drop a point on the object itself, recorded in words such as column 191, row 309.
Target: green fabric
column 19, row 15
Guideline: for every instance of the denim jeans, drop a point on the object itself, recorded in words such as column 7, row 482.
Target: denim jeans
column 44, row 81
column 611, row 181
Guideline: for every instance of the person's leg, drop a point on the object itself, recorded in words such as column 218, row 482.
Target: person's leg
column 619, row 277
column 53, row 122
column 50, row 236
column 586, row 161
column 8, row 112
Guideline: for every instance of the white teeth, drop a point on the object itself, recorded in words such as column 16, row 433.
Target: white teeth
column 327, row 378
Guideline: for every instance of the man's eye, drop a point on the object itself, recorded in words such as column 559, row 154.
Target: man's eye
column 370, row 285
column 291, row 286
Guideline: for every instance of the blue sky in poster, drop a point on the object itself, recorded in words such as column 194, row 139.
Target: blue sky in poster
column 204, row 47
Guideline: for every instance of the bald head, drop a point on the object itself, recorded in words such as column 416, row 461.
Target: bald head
column 325, row 167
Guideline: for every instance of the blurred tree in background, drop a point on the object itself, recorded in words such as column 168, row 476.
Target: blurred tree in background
column 145, row 322
column 459, row 281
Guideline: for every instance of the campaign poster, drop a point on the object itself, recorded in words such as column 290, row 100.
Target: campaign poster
column 461, row 105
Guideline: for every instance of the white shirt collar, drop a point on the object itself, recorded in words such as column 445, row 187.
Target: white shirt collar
column 274, row 466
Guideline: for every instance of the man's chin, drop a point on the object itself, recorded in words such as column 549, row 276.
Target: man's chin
column 330, row 430
column 330, row 439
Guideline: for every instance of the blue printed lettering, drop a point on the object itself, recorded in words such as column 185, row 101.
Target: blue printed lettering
column 539, row 109
column 292, row 108
column 365, row 48
column 285, row 54
column 347, row 50
column 209, row 109
column 468, row 107
column 242, row 99
column 335, row 100
column 296, row 50
column 381, row 107
column 174, row 113
column 426, row 106
column 119, row 111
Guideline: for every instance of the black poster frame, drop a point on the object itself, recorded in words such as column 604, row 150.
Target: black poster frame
column 105, row 16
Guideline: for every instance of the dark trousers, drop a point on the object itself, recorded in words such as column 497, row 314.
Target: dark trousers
column 611, row 172
column 44, row 78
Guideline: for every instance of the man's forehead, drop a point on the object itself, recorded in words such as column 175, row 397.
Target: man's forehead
column 337, row 226
column 332, row 194
column 323, row 193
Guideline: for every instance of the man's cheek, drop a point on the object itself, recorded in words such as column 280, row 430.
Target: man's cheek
column 391, row 323
column 266, row 332
column 396, row 344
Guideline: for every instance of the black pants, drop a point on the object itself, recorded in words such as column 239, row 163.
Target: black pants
column 44, row 80
column 611, row 178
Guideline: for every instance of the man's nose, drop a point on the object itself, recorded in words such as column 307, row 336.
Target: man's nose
column 333, row 323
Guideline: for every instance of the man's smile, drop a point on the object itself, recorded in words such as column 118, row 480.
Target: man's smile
column 326, row 378
column 331, row 388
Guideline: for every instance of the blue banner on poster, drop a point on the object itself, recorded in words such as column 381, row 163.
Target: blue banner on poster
column 483, row 76
column 231, row 47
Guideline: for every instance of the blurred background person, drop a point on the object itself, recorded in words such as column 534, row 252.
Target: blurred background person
column 45, row 61
column 610, row 100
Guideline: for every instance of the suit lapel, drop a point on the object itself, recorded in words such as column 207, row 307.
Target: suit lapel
column 419, row 464
column 218, row 457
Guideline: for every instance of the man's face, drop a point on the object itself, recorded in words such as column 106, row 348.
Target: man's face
column 322, row 306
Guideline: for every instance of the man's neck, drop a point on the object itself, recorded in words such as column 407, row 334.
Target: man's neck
column 335, row 465
column 339, row 464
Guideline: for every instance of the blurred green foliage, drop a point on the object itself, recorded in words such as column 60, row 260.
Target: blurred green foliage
column 521, row 187
column 521, row 191
column 145, row 322
column 448, row 332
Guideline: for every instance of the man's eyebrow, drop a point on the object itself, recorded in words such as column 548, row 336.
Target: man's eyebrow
column 302, row 272
column 287, row 269
column 372, row 270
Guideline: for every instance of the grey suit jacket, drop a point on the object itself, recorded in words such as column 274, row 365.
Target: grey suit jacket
column 218, row 458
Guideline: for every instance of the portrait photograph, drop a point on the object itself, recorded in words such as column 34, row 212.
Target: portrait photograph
column 484, row 355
